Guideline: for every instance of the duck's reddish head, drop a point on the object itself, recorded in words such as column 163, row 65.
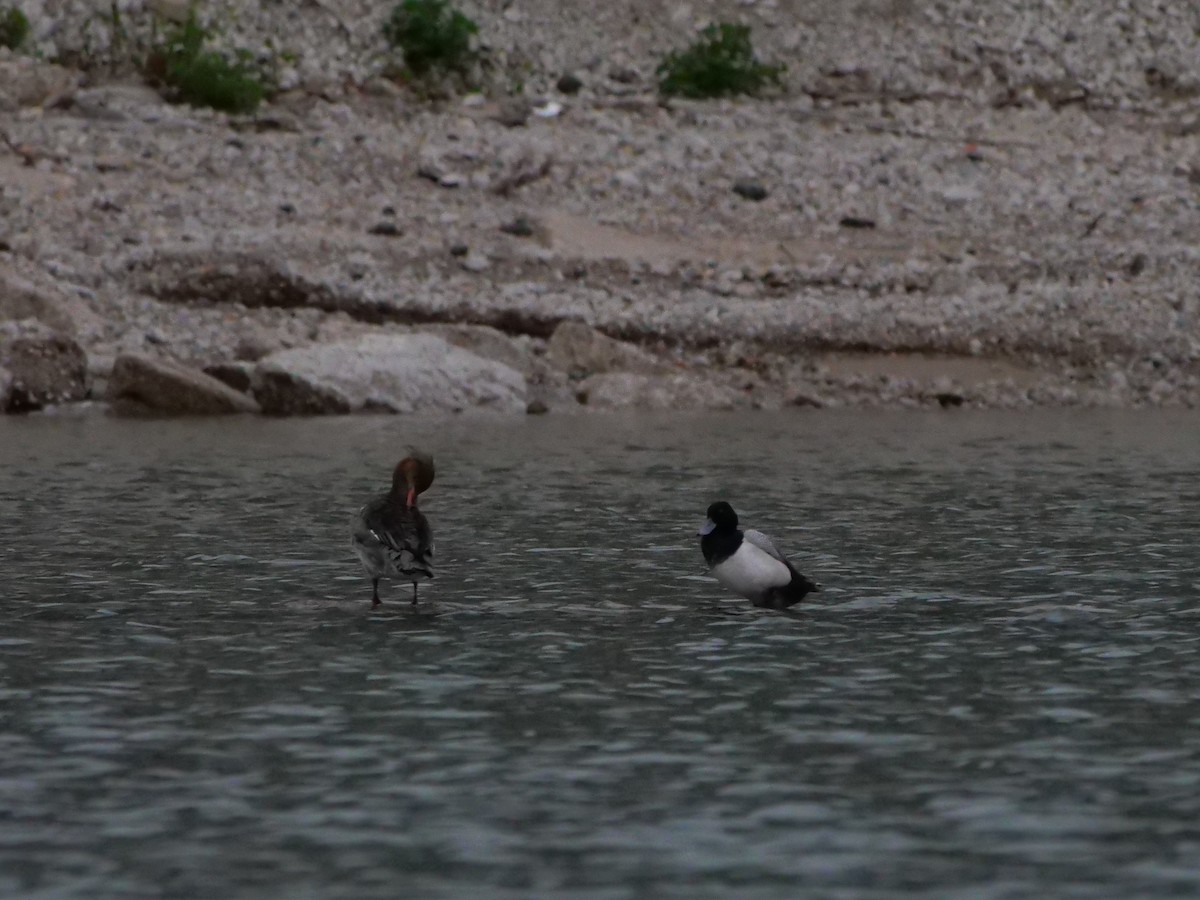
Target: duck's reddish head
column 413, row 475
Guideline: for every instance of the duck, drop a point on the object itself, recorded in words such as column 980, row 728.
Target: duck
column 748, row 563
column 391, row 536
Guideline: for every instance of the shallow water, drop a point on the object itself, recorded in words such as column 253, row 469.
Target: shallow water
column 996, row 694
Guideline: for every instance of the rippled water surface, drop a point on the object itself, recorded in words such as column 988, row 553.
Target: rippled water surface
column 996, row 695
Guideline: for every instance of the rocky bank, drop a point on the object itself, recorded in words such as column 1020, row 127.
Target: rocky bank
column 950, row 203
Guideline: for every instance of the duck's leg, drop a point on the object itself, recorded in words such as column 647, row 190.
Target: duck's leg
column 375, row 591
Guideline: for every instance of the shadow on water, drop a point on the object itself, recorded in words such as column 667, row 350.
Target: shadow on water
column 990, row 697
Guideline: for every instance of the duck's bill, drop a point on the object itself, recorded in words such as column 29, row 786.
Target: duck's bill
column 706, row 528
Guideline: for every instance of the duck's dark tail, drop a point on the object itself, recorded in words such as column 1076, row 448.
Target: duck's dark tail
column 794, row 591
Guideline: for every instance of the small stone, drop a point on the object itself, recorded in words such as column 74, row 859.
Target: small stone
column 568, row 83
column 518, row 227
column 536, row 408
column 624, row 75
column 803, row 399
column 476, row 262
column 856, row 222
column 252, row 347
column 513, row 113
column 459, row 250
column 386, row 229
column 750, row 189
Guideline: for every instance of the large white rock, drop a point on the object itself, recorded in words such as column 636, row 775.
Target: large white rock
column 403, row 373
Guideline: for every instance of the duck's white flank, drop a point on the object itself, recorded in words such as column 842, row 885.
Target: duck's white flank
column 751, row 570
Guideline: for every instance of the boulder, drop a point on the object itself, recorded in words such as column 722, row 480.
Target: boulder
column 143, row 385
column 622, row 390
column 580, row 351
column 43, row 367
column 488, row 342
column 402, row 373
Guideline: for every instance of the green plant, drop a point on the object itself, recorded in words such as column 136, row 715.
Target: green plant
column 14, row 28
column 721, row 63
column 431, row 35
column 203, row 77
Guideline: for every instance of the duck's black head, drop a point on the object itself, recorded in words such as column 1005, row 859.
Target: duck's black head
column 721, row 517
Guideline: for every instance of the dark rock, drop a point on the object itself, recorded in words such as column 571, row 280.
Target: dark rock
column 625, row 75
column 568, row 83
column 238, row 375
column 947, row 399
column 536, row 408
column 252, row 347
column 803, row 399
column 44, row 369
column 286, row 394
column 519, row 227
column 856, row 222
column 459, row 250
column 750, row 189
column 386, row 229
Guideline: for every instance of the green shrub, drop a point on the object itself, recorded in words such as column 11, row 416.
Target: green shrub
column 202, row 77
column 431, row 35
column 14, row 28
column 721, row 63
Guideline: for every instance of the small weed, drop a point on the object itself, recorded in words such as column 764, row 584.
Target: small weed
column 14, row 27
column 202, row 77
column 720, row 64
column 431, row 35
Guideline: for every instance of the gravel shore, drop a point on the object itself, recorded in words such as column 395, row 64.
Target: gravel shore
column 949, row 204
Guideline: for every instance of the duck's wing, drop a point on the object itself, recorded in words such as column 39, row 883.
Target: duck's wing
column 762, row 542
column 404, row 533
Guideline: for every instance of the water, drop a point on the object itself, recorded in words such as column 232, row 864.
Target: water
column 995, row 696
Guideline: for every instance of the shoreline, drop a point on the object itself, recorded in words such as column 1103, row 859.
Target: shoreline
column 991, row 245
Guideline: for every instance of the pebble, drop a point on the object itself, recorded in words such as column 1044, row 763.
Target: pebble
column 568, row 83
column 385, row 229
column 750, row 189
